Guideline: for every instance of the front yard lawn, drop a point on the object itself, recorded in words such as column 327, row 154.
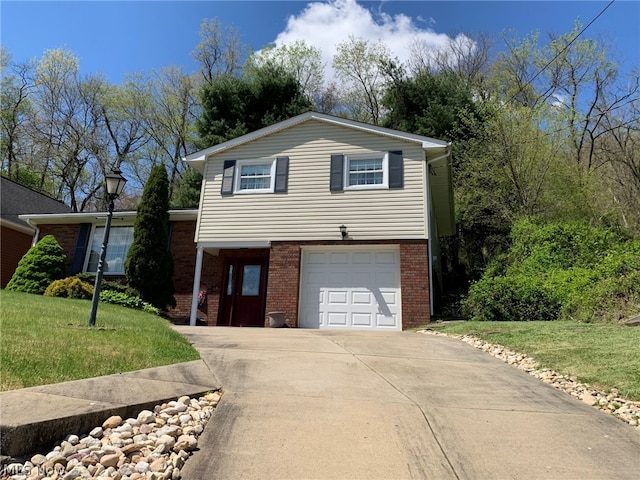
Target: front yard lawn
column 46, row 340
column 603, row 355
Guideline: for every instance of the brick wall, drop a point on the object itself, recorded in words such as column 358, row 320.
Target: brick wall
column 284, row 281
column 14, row 245
column 414, row 282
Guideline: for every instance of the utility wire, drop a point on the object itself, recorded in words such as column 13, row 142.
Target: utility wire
column 566, row 47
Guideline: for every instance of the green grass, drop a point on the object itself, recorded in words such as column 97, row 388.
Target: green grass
column 603, row 355
column 47, row 340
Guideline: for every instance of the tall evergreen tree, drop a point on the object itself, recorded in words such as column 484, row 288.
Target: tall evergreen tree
column 149, row 265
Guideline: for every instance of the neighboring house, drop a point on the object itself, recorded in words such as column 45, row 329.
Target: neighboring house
column 16, row 235
column 267, row 236
column 274, row 201
column 81, row 235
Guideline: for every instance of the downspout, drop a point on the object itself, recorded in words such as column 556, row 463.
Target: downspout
column 36, row 235
column 429, row 218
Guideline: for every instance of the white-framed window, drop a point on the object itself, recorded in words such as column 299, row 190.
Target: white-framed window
column 255, row 176
column 368, row 170
column 120, row 239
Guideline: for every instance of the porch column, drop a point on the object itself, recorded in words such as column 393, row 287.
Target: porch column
column 196, row 288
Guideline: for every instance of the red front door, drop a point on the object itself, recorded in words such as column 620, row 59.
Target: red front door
column 243, row 298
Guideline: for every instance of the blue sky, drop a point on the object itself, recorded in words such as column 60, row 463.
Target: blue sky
column 119, row 37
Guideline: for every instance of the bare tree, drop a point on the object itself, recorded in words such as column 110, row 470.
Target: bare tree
column 359, row 64
column 15, row 90
column 169, row 111
column 220, row 51
column 464, row 55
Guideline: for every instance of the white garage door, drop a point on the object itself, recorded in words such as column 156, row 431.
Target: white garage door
column 351, row 289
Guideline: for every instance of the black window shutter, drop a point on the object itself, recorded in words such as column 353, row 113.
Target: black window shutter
column 282, row 174
column 336, row 182
column 228, row 171
column 81, row 248
column 396, row 169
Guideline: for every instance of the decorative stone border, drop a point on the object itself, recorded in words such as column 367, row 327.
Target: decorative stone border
column 154, row 445
column 626, row 410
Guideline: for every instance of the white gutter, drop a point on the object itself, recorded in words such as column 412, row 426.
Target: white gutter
column 429, row 236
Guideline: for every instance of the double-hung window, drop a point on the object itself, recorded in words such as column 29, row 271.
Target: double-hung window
column 366, row 171
column 255, row 176
column 120, row 239
column 263, row 175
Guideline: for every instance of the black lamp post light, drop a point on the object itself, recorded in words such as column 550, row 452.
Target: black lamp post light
column 115, row 184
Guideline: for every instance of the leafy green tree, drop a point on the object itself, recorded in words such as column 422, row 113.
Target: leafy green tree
column 187, row 195
column 149, row 265
column 41, row 265
column 233, row 106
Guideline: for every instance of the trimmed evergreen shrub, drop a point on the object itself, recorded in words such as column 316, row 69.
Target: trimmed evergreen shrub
column 149, row 265
column 41, row 265
column 70, row 287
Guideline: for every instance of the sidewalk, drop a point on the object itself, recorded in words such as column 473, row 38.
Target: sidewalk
column 38, row 417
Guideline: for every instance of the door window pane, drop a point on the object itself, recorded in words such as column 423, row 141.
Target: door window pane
column 251, row 280
column 230, row 281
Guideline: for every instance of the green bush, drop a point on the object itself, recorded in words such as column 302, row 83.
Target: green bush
column 108, row 284
column 70, row 287
column 41, row 265
column 514, row 298
column 125, row 300
column 560, row 271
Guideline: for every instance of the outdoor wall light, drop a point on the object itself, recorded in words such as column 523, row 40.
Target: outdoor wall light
column 114, row 185
column 343, row 231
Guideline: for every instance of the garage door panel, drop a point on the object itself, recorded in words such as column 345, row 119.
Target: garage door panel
column 351, row 289
column 362, row 320
column 386, row 258
column 337, row 319
column 316, row 258
column 390, row 297
column 340, row 258
column 316, row 278
column 334, row 297
column 386, row 321
column 361, row 257
column 362, row 298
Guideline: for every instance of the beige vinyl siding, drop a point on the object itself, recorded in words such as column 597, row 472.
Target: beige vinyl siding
column 309, row 211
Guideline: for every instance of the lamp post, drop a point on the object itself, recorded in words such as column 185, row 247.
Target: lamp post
column 115, row 184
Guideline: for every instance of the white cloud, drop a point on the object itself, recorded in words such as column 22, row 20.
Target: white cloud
column 326, row 24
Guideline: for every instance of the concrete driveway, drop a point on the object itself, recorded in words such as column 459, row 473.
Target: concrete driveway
column 310, row 404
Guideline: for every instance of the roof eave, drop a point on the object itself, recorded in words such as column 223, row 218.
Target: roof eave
column 198, row 159
column 91, row 217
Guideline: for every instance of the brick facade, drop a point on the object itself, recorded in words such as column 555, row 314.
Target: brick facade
column 414, row 283
column 283, row 283
column 14, row 245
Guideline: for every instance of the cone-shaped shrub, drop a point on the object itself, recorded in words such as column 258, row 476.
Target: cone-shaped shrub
column 149, row 264
column 41, row 265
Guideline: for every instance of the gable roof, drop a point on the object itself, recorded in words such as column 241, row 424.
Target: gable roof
column 197, row 159
column 16, row 199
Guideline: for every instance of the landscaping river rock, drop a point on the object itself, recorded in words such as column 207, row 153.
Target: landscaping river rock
column 609, row 402
column 153, row 446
